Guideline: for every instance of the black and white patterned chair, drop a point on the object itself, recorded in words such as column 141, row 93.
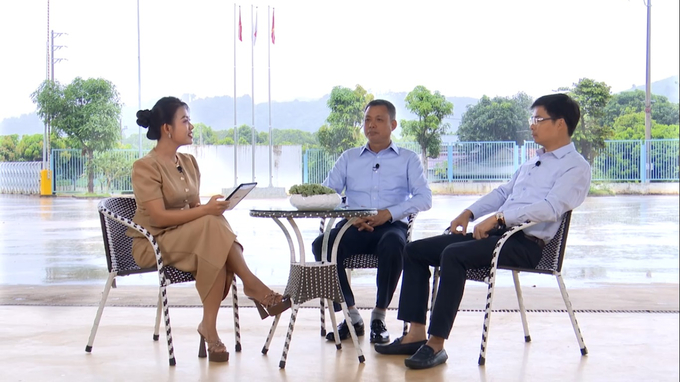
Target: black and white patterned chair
column 550, row 264
column 116, row 216
column 360, row 261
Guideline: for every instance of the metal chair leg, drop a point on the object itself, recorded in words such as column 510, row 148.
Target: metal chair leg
column 352, row 333
column 270, row 336
column 522, row 310
column 435, row 287
column 168, row 330
column 331, row 312
column 323, row 317
column 98, row 317
column 289, row 336
column 572, row 316
column 159, row 310
column 489, row 302
column 237, row 321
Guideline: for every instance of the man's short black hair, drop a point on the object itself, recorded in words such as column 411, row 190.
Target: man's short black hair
column 560, row 106
column 391, row 110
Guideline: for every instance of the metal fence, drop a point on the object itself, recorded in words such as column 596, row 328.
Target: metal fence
column 20, row 177
column 619, row 161
column 111, row 169
column 664, row 159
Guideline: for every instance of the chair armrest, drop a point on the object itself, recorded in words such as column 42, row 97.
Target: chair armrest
column 131, row 224
column 511, row 231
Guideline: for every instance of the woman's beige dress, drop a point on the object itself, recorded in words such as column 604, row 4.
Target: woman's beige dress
column 200, row 246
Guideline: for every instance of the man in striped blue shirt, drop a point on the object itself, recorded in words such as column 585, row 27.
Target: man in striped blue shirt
column 555, row 181
column 386, row 177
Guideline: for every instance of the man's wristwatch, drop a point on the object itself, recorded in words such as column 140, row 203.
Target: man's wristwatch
column 500, row 218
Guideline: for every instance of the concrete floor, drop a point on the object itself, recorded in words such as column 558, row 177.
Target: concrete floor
column 43, row 342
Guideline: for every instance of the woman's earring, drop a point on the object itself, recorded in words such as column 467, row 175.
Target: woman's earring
column 169, row 136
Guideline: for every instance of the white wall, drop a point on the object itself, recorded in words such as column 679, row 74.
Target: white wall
column 217, row 166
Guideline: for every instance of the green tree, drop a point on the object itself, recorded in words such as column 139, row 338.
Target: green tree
column 431, row 109
column 663, row 111
column 87, row 111
column 632, row 126
column 204, row 134
column 244, row 136
column 497, row 119
column 112, row 166
column 622, row 160
column 29, row 148
column 8, row 147
column 592, row 97
column 343, row 128
column 294, row 137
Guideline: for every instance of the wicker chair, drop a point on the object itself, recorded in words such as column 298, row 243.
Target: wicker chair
column 361, row 261
column 550, row 264
column 116, row 216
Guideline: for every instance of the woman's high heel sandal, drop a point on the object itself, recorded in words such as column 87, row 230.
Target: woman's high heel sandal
column 213, row 355
column 272, row 304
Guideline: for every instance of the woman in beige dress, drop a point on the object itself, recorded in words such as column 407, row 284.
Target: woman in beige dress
column 193, row 237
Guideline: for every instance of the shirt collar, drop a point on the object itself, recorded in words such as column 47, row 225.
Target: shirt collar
column 559, row 153
column 392, row 146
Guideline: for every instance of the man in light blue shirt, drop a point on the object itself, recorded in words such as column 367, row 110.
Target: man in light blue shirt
column 557, row 180
column 386, row 177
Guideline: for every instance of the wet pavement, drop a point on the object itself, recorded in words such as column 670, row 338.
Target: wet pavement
column 58, row 241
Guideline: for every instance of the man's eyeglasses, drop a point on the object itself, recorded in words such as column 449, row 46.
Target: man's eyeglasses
column 537, row 120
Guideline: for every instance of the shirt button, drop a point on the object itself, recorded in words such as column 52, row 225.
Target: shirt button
column 186, row 190
column 181, row 178
column 523, row 189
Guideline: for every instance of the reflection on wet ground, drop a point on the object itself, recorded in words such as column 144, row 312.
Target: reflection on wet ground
column 623, row 239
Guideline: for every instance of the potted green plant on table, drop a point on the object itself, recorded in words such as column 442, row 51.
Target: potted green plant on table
column 313, row 197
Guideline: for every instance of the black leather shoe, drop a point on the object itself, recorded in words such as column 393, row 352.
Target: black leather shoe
column 343, row 331
column 426, row 358
column 397, row 347
column 379, row 334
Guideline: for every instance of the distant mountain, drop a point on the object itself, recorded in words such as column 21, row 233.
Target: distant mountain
column 24, row 124
column 217, row 112
column 668, row 87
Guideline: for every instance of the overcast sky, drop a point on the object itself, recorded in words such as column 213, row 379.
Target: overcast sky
column 461, row 48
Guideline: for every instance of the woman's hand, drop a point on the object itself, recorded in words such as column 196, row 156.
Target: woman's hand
column 216, row 207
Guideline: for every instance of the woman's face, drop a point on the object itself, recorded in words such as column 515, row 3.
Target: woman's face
column 182, row 129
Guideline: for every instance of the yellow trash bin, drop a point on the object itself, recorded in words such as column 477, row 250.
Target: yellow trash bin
column 45, row 182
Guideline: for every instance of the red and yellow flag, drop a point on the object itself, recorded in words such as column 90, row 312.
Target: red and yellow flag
column 273, row 36
column 240, row 27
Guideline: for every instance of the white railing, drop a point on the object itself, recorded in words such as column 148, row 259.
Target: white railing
column 20, row 177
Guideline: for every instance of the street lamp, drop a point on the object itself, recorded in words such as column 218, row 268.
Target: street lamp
column 648, row 96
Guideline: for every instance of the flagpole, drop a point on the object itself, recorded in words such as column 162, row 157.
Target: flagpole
column 139, row 81
column 253, row 35
column 269, row 85
column 237, row 29
column 46, row 135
